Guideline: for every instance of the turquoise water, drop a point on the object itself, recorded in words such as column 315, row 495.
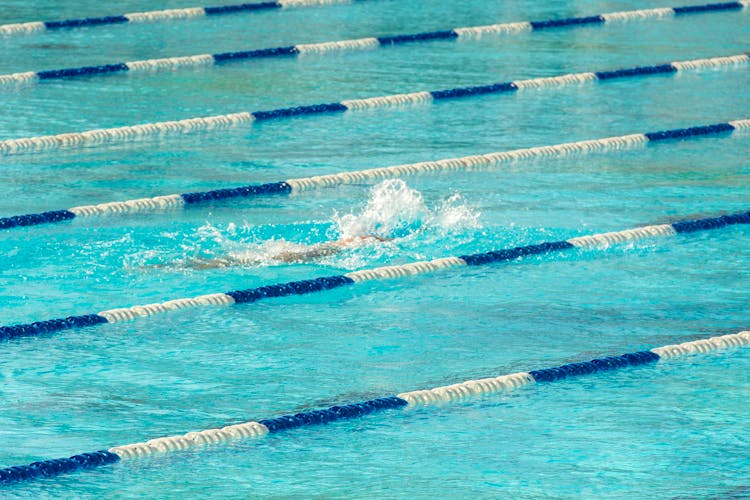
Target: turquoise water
column 671, row 430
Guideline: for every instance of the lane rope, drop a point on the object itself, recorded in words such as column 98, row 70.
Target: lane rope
column 386, row 406
column 467, row 163
column 304, row 287
column 152, row 16
column 135, row 133
column 182, row 62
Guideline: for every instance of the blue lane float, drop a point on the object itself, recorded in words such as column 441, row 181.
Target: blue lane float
column 304, row 287
column 174, row 63
column 152, row 16
column 132, row 133
column 383, row 406
column 470, row 163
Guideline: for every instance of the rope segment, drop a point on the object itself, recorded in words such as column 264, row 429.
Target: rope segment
column 152, row 16
column 466, row 163
column 368, row 43
column 386, row 405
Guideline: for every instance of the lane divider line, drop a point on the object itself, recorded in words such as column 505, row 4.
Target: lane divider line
column 134, row 133
column 467, row 163
column 304, row 287
column 459, row 392
column 152, row 16
column 368, row 43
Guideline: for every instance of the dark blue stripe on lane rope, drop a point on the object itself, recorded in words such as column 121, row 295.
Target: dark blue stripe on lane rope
column 85, row 70
column 691, row 226
column 571, row 21
column 495, row 88
column 417, row 37
column 478, row 259
column 55, row 467
column 49, row 326
column 595, row 365
column 35, row 219
column 255, row 54
column 333, row 413
column 87, row 21
column 638, row 71
column 291, row 288
column 245, row 7
column 312, row 109
column 238, row 192
column 693, row 9
column 681, row 133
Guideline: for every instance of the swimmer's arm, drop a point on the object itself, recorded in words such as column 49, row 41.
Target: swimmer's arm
column 220, row 262
column 379, row 238
column 322, row 250
column 209, row 263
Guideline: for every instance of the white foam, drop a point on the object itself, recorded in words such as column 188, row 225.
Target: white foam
column 392, row 214
column 454, row 214
column 393, row 210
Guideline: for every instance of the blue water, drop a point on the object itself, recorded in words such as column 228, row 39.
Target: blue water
column 676, row 429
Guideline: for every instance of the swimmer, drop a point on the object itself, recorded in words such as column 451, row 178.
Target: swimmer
column 393, row 213
column 311, row 253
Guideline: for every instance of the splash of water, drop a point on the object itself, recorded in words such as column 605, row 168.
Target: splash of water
column 454, row 214
column 393, row 211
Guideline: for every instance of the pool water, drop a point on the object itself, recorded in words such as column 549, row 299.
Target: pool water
column 675, row 429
